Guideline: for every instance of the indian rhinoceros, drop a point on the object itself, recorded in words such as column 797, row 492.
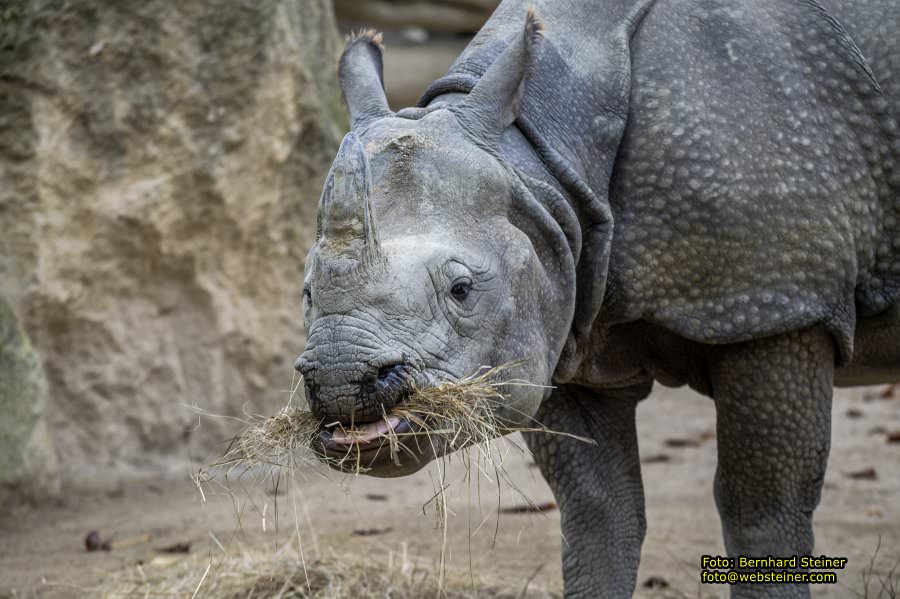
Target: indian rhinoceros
column 612, row 193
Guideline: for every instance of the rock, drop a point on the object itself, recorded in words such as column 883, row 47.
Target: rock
column 161, row 164
column 28, row 468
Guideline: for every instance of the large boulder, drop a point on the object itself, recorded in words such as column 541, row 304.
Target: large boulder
column 28, row 468
column 161, row 163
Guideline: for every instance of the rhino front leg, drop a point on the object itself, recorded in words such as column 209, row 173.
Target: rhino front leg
column 598, row 487
column 773, row 405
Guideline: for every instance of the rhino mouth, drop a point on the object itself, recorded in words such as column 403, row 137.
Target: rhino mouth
column 390, row 446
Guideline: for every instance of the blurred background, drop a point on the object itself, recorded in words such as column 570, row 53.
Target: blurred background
column 160, row 165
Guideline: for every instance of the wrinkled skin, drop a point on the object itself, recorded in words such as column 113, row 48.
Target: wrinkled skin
column 402, row 310
column 689, row 192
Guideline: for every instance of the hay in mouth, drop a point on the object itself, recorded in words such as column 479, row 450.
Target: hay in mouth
column 455, row 414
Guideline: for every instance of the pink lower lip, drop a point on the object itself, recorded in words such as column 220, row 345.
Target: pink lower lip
column 366, row 433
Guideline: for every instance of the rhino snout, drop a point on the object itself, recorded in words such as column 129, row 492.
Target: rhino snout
column 353, row 393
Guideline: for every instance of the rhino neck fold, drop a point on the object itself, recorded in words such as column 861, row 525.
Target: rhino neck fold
column 573, row 113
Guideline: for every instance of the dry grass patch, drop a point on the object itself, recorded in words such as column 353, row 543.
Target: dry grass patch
column 284, row 575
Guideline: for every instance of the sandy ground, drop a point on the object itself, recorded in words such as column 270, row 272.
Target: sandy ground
column 42, row 552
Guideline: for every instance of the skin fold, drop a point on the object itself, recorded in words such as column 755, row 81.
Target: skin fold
column 689, row 192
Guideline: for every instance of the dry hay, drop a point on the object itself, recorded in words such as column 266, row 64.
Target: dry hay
column 461, row 413
column 284, row 575
column 456, row 414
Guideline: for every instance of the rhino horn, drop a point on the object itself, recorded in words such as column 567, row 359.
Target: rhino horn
column 493, row 103
column 346, row 224
column 362, row 80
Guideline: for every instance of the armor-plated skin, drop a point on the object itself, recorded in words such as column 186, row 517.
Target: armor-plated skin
column 699, row 192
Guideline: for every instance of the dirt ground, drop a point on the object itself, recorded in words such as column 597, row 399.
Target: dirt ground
column 42, row 551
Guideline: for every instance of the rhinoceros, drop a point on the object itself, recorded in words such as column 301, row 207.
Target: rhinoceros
column 609, row 193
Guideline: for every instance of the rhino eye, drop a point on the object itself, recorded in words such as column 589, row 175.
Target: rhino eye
column 460, row 291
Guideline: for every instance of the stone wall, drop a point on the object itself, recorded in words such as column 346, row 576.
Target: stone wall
column 161, row 163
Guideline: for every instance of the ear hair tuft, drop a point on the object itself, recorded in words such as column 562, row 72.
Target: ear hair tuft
column 534, row 27
column 368, row 35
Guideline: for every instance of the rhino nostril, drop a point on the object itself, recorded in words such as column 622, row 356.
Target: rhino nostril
column 391, row 382
column 387, row 372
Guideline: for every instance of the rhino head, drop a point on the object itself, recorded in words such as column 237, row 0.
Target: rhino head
column 432, row 259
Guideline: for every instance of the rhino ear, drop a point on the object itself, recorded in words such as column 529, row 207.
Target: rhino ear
column 361, row 78
column 493, row 104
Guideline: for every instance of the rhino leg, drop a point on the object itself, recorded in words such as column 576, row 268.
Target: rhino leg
column 773, row 406
column 598, row 487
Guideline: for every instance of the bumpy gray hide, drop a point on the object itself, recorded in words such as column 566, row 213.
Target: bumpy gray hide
column 753, row 189
column 699, row 192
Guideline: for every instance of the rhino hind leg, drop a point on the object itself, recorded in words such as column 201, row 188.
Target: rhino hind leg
column 876, row 354
column 773, row 411
column 598, row 487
